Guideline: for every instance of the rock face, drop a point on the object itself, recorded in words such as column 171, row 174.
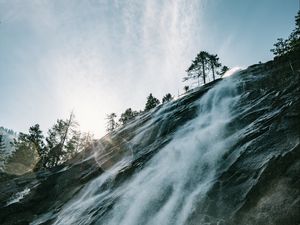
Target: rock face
column 226, row 153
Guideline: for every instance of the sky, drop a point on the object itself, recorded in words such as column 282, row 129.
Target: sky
column 97, row 57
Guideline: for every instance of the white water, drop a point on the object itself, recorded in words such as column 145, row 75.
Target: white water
column 175, row 180
column 18, row 196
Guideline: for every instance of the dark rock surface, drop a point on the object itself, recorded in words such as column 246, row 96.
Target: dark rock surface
column 256, row 182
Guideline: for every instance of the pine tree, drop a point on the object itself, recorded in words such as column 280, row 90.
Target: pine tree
column 168, row 97
column 224, row 69
column 214, row 63
column 111, row 123
column 282, row 47
column 2, row 143
column 127, row 116
column 2, row 148
column 199, row 67
column 151, row 103
column 60, row 140
column 186, row 88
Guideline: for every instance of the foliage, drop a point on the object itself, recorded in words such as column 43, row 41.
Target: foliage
column 151, row 103
column 168, row 97
column 186, row 88
column 2, row 144
column 283, row 47
column 111, row 123
column 214, row 64
column 127, row 116
column 199, row 67
column 62, row 141
column 2, row 151
column 202, row 65
column 224, row 69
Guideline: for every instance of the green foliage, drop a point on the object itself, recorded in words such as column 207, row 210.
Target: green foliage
column 167, row 98
column 224, row 69
column 283, row 47
column 111, row 123
column 127, row 116
column 63, row 142
column 25, row 156
column 151, row 103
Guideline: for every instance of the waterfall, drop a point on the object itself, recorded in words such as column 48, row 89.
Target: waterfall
column 173, row 184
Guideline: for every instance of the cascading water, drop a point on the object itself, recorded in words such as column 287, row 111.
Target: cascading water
column 226, row 153
column 175, row 181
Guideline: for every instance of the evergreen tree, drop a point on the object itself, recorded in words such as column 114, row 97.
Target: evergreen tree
column 36, row 137
column 151, row 103
column 127, row 116
column 60, row 141
column 199, row 67
column 168, row 97
column 281, row 47
column 214, row 63
column 224, row 69
column 2, row 149
column 26, row 153
column 186, row 88
column 111, row 123
column 294, row 38
column 2, row 144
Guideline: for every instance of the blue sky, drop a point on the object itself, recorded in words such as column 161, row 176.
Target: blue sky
column 97, row 57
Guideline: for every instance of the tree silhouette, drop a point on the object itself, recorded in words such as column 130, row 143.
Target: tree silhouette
column 224, row 69
column 198, row 67
column 2, row 143
column 151, row 103
column 214, row 63
column 294, row 38
column 2, row 148
column 127, row 116
column 186, row 88
column 168, row 97
column 60, row 141
column 111, row 123
column 282, row 46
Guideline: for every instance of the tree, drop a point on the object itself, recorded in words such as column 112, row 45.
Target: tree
column 224, row 69
column 151, row 103
column 214, row 63
column 2, row 148
column 127, row 116
column 60, row 141
column 168, row 97
column 294, row 38
column 36, row 137
column 281, row 47
column 111, row 123
column 198, row 67
column 186, row 88
column 25, row 157
column 2, row 144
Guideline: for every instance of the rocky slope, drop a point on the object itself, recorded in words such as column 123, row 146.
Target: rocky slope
column 226, row 153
